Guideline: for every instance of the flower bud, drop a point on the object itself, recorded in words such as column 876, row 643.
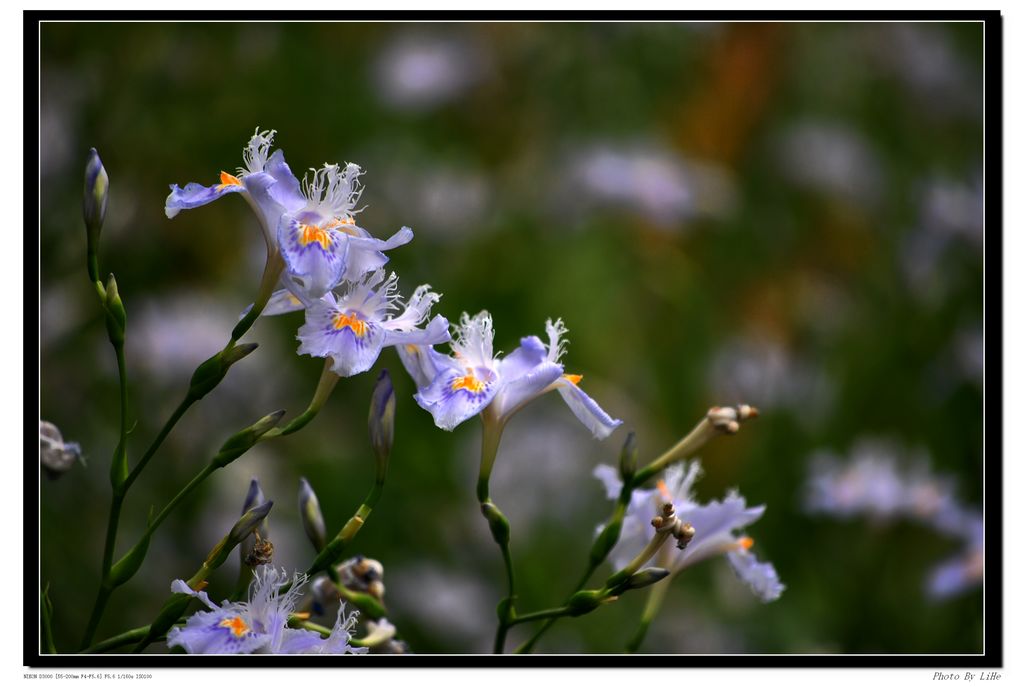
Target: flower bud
column 244, row 440
column 115, row 314
column 212, row 370
column 312, row 518
column 254, row 497
column 628, row 458
column 644, row 578
column 125, row 569
column 248, row 523
column 94, row 200
column 382, row 422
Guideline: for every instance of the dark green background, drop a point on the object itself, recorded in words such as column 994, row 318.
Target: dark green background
column 829, row 269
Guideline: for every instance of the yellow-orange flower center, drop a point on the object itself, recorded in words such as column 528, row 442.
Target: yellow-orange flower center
column 469, row 383
column 745, row 543
column 238, row 627
column 352, row 321
column 663, row 489
column 575, row 379
column 309, row 233
column 228, row 180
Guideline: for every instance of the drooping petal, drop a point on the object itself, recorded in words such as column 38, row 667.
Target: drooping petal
column 761, row 577
column 312, row 253
column 457, row 395
column 195, row 195
column 179, row 587
column 299, row 641
column 714, row 523
column 585, row 408
column 365, row 253
column 522, row 389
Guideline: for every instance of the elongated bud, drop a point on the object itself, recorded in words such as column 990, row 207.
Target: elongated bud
column 212, row 370
column 605, row 541
column 254, row 497
column 644, row 578
column 382, row 422
column 248, row 523
column 312, row 518
column 115, row 314
column 125, row 569
column 628, row 458
column 242, row 441
column 94, row 206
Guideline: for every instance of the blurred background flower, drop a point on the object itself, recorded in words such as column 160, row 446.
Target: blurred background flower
column 788, row 215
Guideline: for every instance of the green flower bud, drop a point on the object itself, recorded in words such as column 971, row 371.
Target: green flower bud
column 94, row 203
column 212, row 370
column 115, row 314
column 644, row 578
column 244, row 440
column 628, row 458
column 125, row 569
column 605, row 541
column 312, row 518
column 254, row 497
column 382, row 422
column 245, row 526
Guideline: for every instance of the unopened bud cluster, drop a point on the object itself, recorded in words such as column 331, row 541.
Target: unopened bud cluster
column 728, row 419
column 668, row 522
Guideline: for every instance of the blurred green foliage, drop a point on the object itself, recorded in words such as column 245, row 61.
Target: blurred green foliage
column 811, row 155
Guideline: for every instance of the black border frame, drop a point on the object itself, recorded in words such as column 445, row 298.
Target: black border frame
column 993, row 655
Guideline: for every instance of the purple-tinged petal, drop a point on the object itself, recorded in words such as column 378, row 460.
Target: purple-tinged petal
column 281, row 302
column 528, row 385
column 714, row 523
column 436, row 332
column 195, row 195
column 286, row 190
column 423, row 363
column 344, row 335
column 223, row 631
column 585, row 408
column 312, row 253
column 760, row 577
column 454, row 396
column 365, row 252
column 298, row 641
column 528, row 355
column 609, row 477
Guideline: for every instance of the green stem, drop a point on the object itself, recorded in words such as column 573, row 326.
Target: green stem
column 499, row 525
column 125, row 638
column 598, row 553
column 97, row 611
column 683, row 449
column 185, row 404
column 651, row 608
column 548, row 613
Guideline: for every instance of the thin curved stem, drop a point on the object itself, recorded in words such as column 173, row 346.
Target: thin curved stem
column 123, row 639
